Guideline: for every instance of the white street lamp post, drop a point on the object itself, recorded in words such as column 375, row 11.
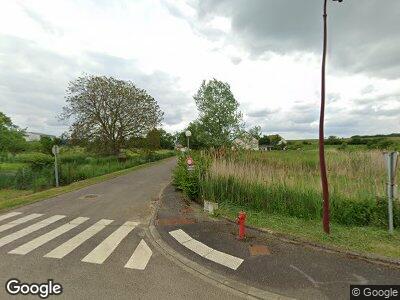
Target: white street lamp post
column 188, row 134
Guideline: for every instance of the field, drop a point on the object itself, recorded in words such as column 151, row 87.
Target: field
column 26, row 173
column 281, row 190
column 288, row 183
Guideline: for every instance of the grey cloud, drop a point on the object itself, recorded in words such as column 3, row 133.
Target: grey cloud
column 301, row 120
column 236, row 60
column 367, row 89
column 262, row 113
column 33, row 82
column 363, row 36
column 304, row 113
column 47, row 26
column 333, row 97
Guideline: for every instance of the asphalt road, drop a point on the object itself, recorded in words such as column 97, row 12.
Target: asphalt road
column 269, row 263
column 91, row 262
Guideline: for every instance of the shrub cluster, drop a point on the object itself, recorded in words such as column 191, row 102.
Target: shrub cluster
column 72, row 167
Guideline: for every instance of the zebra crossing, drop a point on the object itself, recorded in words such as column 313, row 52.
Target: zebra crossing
column 139, row 259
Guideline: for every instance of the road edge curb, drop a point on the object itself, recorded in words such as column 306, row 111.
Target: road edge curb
column 233, row 286
column 371, row 258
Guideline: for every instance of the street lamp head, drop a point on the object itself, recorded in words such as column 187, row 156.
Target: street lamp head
column 338, row 0
column 188, row 133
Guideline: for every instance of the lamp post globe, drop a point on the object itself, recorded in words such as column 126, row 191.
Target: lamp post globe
column 188, row 134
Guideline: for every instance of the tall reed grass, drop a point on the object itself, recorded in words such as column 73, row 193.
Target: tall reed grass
column 288, row 183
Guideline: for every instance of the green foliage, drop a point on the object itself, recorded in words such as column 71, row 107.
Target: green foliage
column 36, row 160
column 235, row 179
column 46, row 144
column 255, row 132
column 274, row 140
column 73, row 166
column 195, row 140
column 11, row 137
column 107, row 111
column 219, row 119
column 333, row 140
column 167, row 141
column 153, row 139
column 189, row 181
column 264, row 140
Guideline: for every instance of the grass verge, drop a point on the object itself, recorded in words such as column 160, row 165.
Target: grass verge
column 365, row 240
column 7, row 201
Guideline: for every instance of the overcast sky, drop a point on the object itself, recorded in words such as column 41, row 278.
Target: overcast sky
column 269, row 51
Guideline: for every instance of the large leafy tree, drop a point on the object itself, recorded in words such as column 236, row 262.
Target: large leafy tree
column 255, row 132
column 220, row 120
column 197, row 140
column 12, row 138
column 107, row 112
column 167, row 140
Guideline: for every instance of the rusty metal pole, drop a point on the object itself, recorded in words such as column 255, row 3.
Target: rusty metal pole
column 322, row 164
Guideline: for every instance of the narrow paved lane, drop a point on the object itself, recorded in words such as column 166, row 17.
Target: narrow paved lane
column 92, row 241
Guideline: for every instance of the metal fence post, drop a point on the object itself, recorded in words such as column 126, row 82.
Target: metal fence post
column 391, row 163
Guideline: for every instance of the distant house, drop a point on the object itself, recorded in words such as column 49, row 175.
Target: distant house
column 246, row 142
column 35, row 136
column 266, row 147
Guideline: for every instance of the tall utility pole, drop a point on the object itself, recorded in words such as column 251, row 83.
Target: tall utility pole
column 322, row 164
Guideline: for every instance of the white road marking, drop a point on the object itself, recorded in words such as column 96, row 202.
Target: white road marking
column 180, row 235
column 9, row 215
column 197, row 247
column 19, row 221
column 78, row 240
column 315, row 283
column 205, row 251
column 361, row 280
column 225, row 259
column 140, row 257
column 27, row 230
column 43, row 239
column 105, row 248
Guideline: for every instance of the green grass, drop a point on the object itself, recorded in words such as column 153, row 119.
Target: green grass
column 7, row 194
column 8, row 166
column 38, row 174
column 366, row 240
column 288, row 183
column 14, row 198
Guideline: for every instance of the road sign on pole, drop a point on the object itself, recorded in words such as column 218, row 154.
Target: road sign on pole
column 391, row 164
column 55, row 150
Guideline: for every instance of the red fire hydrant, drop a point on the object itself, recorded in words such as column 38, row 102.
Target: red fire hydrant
column 241, row 220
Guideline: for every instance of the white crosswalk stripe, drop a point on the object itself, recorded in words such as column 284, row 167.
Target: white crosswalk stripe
column 32, row 228
column 105, row 248
column 43, row 239
column 9, row 215
column 79, row 239
column 140, row 257
column 203, row 250
column 19, row 221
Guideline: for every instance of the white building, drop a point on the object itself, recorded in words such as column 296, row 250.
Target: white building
column 35, row 136
column 246, row 142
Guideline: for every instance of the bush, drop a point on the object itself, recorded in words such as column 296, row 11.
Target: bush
column 189, row 181
column 36, row 160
